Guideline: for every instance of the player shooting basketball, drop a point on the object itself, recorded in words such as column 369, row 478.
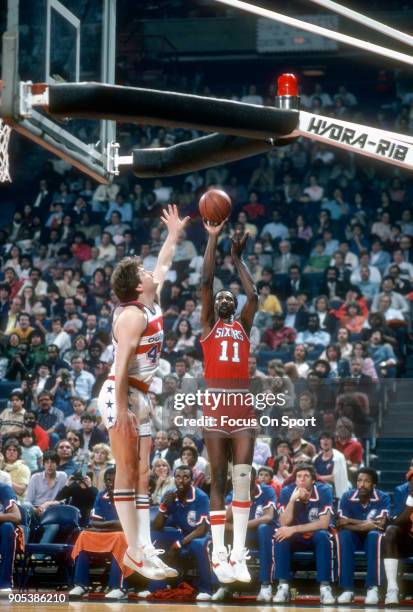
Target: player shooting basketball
column 226, row 347
column 123, row 401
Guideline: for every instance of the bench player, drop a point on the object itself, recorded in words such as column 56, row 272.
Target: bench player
column 398, row 544
column 226, row 347
column 123, row 401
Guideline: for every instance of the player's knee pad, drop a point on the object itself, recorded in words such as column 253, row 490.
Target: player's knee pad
column 241, row 481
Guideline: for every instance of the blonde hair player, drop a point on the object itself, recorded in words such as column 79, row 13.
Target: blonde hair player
column 123, row 401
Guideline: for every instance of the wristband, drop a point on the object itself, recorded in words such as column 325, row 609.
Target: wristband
column 177, row 545
column 409, row 501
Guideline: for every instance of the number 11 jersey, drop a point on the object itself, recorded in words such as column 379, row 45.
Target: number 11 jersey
column 226, row 350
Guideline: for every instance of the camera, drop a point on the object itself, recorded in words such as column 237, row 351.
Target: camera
column 77, row 476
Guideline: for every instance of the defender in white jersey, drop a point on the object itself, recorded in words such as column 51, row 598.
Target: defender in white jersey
column 137, row 335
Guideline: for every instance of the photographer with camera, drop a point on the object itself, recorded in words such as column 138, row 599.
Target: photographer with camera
column 63, row 391
column 79, row 492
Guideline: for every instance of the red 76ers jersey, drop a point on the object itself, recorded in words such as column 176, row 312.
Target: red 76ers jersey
column 226, row 350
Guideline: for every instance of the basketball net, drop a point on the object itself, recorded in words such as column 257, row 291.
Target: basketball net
column 5, row 132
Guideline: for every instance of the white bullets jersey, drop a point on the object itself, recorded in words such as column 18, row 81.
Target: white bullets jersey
column 145, row 361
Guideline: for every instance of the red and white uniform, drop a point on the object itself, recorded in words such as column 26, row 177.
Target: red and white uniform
column 141, row 369
column 226, row 350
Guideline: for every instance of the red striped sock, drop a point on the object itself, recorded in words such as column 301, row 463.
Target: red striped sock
column 217, row 520
column 125, row 506
column 240, row 514
column 143, row 519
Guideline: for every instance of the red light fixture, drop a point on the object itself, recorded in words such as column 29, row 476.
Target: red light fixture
column 287, row 85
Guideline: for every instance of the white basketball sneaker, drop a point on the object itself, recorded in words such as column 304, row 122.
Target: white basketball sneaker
column 144, row 561
column 265, row 593
column 283, row 594
column 346, row 597
column 326, row 595
column 238, row 560
column 392, row 597
column 372, row 596
column 220, row 566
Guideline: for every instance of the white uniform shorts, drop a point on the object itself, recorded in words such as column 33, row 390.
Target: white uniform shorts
column 138, row 403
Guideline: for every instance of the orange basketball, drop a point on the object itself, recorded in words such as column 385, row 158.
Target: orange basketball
column 215, row 206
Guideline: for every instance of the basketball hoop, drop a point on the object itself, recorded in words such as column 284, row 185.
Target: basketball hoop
column 5, row 132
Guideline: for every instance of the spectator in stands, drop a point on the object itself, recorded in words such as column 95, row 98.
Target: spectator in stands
column 282, row 469
column 295, row 316
column 389, row 313
column 40, row 435
column 348, row 445
column 268, row 303
column 300, row 360
column 23, row 328
column 186, row 339
column 279, row 336
column 327, row 320
column 49, row 417
column 367, row 287
column 12, row 419
column 38, row 349
column 318, row 260
column 42, row 490
column 382, row 355
column 58, row 337
column 397, row 300
column 302, row 449
column 286, row 259
column 79, row 492
column 260, row 530
column 54, row 362
column 32, row 455
column 162, row 449
column 362, row 517
column 81, row 456
column 106, row 536
column 161, row 480
column 13, row 465
column 353, row 319
column 189, row 456
column 83, row 380
column 64, row 451
column 187, row 510
column 344, row 345
column 295, row 284
column 10, row 518
column 90, row 431
column 313, row 337
column 306, row 509
column 333, row 288
column 78, row 408
column 101, row 459
column 330, row 465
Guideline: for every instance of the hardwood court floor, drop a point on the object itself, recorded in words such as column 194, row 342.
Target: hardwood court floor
column 98, row 606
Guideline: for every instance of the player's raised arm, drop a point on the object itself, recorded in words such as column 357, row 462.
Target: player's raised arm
column 175, row 226
column 128, row 330
column 248, row 312
column 207, row 281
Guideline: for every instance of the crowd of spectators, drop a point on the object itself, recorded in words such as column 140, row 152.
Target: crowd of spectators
column 330, row 250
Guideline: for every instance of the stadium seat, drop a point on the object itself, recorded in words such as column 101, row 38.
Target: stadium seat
column 67, row 517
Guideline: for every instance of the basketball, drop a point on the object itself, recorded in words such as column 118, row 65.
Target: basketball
column 215, row 206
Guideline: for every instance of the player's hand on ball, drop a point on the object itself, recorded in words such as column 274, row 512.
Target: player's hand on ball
column 214, row 230
column 170, row 218
column 126, row 424
column 239, row 240
column 283, row 533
